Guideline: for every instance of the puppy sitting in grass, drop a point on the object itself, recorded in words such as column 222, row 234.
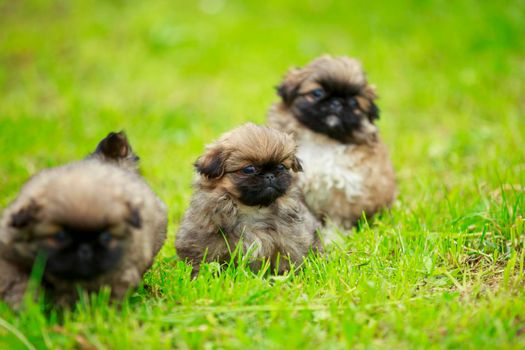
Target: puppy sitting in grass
column 245, row 198
column 94, row 222
column 330, row 109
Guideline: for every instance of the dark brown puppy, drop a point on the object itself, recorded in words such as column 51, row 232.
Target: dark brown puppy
column 96, row 223
column 245, row 192
column 330, row 109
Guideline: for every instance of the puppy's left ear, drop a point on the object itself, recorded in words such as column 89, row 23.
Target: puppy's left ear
column 134, row 218
column 115, row 146
column 297, row 166
column 212, row 164
column 373, row 114
column 371, row 95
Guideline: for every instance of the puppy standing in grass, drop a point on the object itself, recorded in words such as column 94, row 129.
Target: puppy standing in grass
column 245, row 193
column 330, row 109
column 95, row 222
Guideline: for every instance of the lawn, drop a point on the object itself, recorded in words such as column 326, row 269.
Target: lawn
column 442, row 269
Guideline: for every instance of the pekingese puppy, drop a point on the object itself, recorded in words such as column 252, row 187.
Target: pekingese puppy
column 95, row 223
column 330, row 109
column 245, row 197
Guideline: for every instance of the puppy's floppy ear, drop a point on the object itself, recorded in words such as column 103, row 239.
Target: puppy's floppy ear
column 290, row 86
column 212, row 164
column 373, row 114
column 297, row 166
column 25, row 215
column 371, row 95
column 115, row 146
column 134, row 218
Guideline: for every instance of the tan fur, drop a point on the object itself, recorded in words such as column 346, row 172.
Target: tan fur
column 340, row 181
column 216, row 221
column 247, row 144
column 85, row 193
column 325, row 67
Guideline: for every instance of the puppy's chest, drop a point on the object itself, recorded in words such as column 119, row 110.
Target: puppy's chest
column 264, row 233
column 328, row 167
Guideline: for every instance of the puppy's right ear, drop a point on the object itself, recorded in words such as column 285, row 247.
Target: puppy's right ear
column 25, row 215
column 212, row 164
column 290, row 86
column 115, row 146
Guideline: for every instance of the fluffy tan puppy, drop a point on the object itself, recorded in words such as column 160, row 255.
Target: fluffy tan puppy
column 95, row 222
column 245, row 193
column 330, row 109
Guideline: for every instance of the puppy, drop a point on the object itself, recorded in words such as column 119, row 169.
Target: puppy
column 95, row 222
column 245, row 197
column 330, row 109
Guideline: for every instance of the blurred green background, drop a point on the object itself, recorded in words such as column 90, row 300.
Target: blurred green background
column 176, row 74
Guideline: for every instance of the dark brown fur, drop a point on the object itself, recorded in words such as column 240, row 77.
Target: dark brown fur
column 115, row 149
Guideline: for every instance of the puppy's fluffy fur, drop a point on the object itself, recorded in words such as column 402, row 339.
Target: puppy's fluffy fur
column 245, row 192
column 96, row 222
column 330, row 109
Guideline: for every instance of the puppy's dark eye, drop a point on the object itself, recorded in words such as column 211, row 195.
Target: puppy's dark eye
column 250, row 169
column 105, row 237
column 317, row 93
column 61, row 237
column 280, row 167
column 352, row 102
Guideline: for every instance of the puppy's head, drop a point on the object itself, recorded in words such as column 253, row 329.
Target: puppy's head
column 331, row 96
column 76, row 219
column 252, row 163
column 115, row 148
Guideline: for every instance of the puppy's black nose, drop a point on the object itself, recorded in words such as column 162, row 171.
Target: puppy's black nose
column 270, row 177
column 85, row 252
column 336, row 106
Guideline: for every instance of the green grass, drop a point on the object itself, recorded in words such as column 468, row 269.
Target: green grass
column 443, row 269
